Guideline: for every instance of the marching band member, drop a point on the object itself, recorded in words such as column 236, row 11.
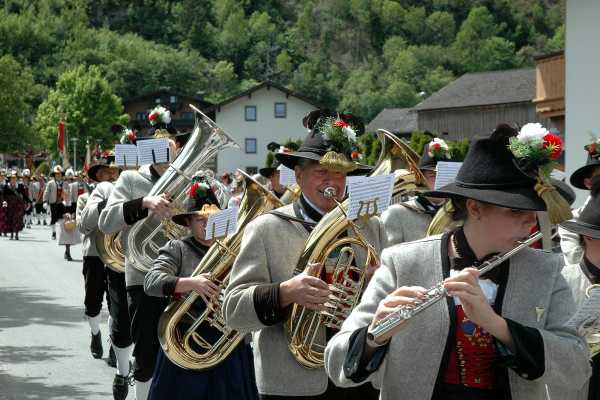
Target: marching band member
column 94, row 272
column 37, row 189
column 3, row 204
column 14, row 196
column 271, row 172
column 587, row 272
column 497, row 336
column 120, row 333
column 262, row 287
column 129, row 203
column 583, row 178
column 53, row 195
column 28, row 183
column 170, row 276
column 408, row 221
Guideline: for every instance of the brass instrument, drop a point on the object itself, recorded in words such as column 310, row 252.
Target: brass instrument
column 193, row 334
column 147, row 236
column 110, row 250
column 305, row 327
column 291, row 194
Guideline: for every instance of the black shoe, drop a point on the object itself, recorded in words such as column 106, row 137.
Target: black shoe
column 39, row 223
column 68, row 257
column 96, row 346
column 53, row 235
column 17, row 236
column 112, row 358
column 120, row 387
column 45, row 223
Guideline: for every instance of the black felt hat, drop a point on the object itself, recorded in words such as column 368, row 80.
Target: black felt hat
column 106, row 160
column 588, row 222
column 333, row 152
column 201, row 201
column 275, row 148
column 490, row 174
column 593, row 161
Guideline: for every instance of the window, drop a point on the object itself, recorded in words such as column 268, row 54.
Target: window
column 280, row 110
column 251, row 170
column 250, row 113
column 188, row 116
column 173, row 99
column 157, row 100
column 251, row 146
column 140, row 116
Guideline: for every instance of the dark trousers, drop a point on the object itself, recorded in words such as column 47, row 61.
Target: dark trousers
column 144, row 311
column 120, row 334
column 94, row 275
column 362, row 392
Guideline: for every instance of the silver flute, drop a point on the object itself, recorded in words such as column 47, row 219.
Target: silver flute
column 438, row 292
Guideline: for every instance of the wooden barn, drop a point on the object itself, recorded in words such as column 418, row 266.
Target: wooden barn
column 476, row 103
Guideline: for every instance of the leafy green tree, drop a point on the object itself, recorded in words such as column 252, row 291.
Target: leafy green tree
column 17, row 92
column 85, row 101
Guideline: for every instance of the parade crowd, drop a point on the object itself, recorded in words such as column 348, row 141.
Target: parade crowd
column 498, row 335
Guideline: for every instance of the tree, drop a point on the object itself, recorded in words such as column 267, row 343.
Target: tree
column 85, row 101
column 18, row 89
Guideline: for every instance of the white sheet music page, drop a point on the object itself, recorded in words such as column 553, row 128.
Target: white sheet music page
column 287, row 176
column 446, row 173
column 126, row 155
column 153, row 151
column 222, row 223
column 370, row 195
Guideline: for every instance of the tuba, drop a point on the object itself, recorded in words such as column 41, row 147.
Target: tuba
column 193, row 334
column 110, row 250
column 304, row 328
column 146, row 237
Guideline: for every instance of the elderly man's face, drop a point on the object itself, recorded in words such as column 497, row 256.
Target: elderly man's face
column 314, row 178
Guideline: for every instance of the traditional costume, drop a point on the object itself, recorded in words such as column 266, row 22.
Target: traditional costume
column 53, row 197
column 270, row 250
column 442, row 354
column 14, row 196
column 233, row 378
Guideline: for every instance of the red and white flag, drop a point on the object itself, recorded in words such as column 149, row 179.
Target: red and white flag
column 60, row 142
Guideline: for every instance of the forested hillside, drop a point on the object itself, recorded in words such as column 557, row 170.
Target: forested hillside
column 353, row 55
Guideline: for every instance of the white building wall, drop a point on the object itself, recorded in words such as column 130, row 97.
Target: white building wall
column 265, row 129
column 582, row 82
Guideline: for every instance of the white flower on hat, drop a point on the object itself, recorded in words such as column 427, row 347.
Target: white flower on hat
column 533, row 134
column 348, row 131
column 159, row 114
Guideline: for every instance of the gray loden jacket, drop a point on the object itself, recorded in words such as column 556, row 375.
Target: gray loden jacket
column 405, row 222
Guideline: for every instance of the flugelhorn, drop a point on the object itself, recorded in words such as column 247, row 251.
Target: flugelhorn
column 438, row 292
column 192, row 334
column 305, row 328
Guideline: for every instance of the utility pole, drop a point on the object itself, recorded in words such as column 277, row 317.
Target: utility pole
column 74, row 140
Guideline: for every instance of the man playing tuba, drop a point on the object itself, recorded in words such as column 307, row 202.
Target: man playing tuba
column 263, row 288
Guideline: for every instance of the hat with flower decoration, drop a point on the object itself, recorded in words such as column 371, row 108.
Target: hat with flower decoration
column 273, row 165
column 331, row 141
column 160, row 121
column 512, row 169
column 202, row 199
column 593, row 160
column 588, row 221
column 105, row 159
column 436, row 150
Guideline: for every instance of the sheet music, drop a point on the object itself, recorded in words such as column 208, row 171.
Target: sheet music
column 587, row 317
column 364, row 194
column 126, row 155
column 446, row 173
column 223, row 222
column 287, row 176
column 153, row 151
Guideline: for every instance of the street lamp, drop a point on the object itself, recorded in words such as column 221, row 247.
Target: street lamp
column 74, row 140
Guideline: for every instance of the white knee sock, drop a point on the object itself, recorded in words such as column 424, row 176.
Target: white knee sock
column 110, row 323
column 142, row 389
column 123, row 355
column 94, row 324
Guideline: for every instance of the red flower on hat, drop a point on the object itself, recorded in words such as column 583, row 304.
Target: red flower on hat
column 355, row 154
column 435, row 146
column 131, row 136
column 152, row 116
column 341, row 124
column 553, row 142
column 591, row 148
column 194, row 190
column 105, row 154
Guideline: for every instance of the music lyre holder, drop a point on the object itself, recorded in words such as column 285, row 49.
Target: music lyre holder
column 369, row 207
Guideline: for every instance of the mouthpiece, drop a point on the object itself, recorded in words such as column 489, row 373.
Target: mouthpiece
column 329, row 192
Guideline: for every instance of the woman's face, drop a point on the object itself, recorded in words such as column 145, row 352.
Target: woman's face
column 502, row 227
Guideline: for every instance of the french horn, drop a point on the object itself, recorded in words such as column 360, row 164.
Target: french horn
column 330, row 242
column 193, row 334
column 147, row 236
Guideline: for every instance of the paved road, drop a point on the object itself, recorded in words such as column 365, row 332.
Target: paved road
column 44, row 338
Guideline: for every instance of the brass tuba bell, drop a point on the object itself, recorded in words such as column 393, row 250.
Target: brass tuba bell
column 305, row 328
column 193, row 334
column 110, row 250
